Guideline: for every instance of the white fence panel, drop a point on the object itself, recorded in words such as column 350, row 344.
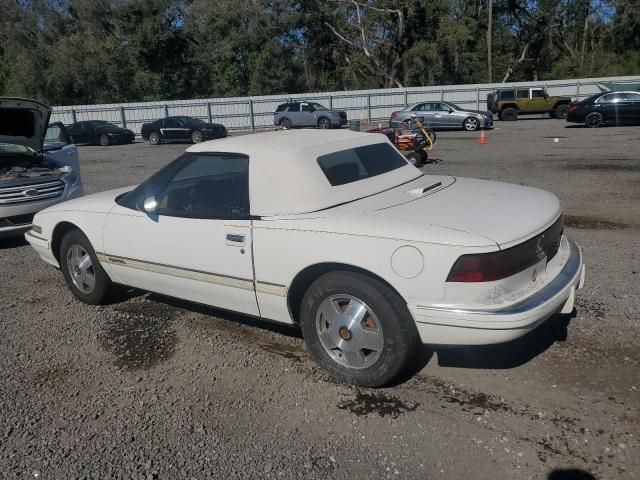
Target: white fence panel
column 248, row 113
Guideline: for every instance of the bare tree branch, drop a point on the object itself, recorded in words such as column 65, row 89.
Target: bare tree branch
column 512, row 66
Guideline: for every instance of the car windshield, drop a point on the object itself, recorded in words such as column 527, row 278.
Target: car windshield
column 12, row 149
column 317, row 106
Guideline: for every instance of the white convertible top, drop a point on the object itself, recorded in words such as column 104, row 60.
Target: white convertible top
column 284, row 175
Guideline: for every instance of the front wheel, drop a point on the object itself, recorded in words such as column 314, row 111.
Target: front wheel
column 471, row 124
column 357, row 328
column 197, row 137
column 104, row 140
column 324, row 122
column 81, row 269
column 594, row 120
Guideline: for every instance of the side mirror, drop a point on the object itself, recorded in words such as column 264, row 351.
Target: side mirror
column 150, row 204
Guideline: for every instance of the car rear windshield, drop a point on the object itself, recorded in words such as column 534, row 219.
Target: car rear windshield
column 354, row 164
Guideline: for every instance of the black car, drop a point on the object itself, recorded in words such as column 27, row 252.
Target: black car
column 611, row 108
column 99, row 132
column 181, row 128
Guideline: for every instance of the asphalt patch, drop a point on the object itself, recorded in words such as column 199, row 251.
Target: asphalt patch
column 592, row 223
column 366, row 403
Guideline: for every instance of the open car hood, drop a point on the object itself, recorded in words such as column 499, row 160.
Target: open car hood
column 23, row 122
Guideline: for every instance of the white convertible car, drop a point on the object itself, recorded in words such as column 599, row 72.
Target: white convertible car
column 334, row 231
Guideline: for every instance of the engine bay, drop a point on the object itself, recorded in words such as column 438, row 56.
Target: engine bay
column 25, row 166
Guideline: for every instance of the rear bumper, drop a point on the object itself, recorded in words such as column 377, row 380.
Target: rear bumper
column 455, row 326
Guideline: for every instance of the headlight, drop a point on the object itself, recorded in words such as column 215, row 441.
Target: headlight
column 69, row 174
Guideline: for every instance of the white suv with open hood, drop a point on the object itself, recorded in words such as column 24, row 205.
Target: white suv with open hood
column 39, row 165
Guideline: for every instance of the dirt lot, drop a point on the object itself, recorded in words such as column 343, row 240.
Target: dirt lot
column 154, row 388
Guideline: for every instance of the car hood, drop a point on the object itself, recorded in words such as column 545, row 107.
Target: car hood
column 101, row 202
column 23, row 122
column 504, row 213
column 477, row 112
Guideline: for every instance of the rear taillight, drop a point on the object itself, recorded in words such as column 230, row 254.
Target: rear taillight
column 489, row 267
column 573, row 107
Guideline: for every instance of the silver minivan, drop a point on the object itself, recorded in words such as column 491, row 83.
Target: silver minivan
column 39, row 165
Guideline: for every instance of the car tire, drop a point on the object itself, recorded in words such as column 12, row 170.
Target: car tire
column 285, row 123
column 384, row 321
column 104, row 140
column 509, row 115
column 594, row 120
column 82, row 271
column 154, row 138
column 560, row 112
column 324, row 123
column 414, row 158
column 197, row 136
column 471, row 124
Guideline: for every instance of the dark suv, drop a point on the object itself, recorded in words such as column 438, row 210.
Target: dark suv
column 308, row 114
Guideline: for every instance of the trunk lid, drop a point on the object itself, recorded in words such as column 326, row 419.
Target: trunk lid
column 505, row 213
column 23, row 122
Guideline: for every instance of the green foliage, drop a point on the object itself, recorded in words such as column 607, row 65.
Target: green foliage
column 85, row 51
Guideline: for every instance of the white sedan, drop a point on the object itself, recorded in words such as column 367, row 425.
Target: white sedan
column 333, row 231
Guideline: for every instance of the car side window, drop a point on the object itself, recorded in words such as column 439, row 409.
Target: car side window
column 506, row 95
column 423, row 107
column 171, row 123
column 208, row 186
column 305, row 107
column 611, row 98
column 631, row 97
column 55, row 134
column 441, row 107
column 294, row 107
column 537, row 93
column 523, row 93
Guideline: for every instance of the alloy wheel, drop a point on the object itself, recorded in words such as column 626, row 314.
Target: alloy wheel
column 471, row 124
column 81, row 268
column 349, row 331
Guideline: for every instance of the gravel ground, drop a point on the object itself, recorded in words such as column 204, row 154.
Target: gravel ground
column 150, row 387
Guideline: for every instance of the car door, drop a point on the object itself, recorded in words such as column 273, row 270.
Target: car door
column 447, row 116
column 196, row 244
column 294, row 114
column 173, row 129
column 424, row 112
column 610, row 107
column 307, row 117
column 631, row 107
column 537, row 101
column 58, row 146
column 77, row 133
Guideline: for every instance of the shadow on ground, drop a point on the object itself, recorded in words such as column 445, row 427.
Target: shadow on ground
column 571, row 474
column 511, row 354
column 13, row 242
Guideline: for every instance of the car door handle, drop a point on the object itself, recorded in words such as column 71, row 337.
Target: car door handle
column 235, row 239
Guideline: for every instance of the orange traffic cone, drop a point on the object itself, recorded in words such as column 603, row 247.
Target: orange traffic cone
column 483, row 139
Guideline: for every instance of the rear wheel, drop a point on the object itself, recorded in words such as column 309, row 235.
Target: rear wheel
column 104, row 140
column 81, row 269
column 560, row 112
column 509, row 114
column 357, row 328
column 470, row 124
column 414, row 158
column 154, row 138
column 594, row 120
column 285, row 123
